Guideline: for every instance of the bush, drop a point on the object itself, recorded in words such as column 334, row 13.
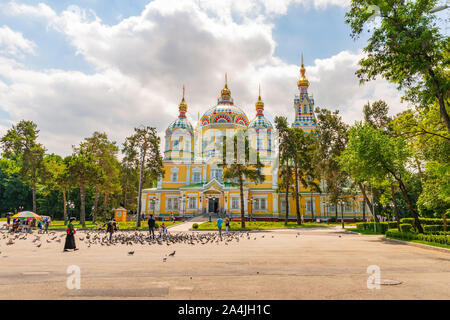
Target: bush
column 432, row 228
column 195, row 226
column 439, row 238
column 406, row 227
column 156, row 225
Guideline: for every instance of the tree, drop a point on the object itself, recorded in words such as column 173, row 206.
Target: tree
column 85, row 171
column 57, row 177
column 20, row 143
column 14, row 191
column 406, row 49
column 142, row 150
column 285, row 154
column 332, row 140
column 105, row 155
column 239, row 165
column 378, row 156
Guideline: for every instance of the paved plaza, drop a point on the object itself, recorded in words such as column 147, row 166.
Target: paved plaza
column 320, row 263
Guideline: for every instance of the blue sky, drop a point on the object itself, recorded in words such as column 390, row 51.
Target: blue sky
column 73, row 75
column 318, row 33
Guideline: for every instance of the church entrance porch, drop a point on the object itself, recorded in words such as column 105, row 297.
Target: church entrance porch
column 213, row 205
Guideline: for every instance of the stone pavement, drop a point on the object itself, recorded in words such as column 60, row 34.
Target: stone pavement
column 320, row 263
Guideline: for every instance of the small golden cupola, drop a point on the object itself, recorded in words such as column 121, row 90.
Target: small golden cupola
column 226, row 93
column 259, row 104
column 302, row 82
column 183, row 106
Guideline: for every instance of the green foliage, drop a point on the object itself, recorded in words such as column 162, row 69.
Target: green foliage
column 406, row 49
column 195, row 226
column 406, row 227
column 431, row 238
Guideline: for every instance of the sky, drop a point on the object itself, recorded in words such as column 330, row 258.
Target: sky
column 79, row 66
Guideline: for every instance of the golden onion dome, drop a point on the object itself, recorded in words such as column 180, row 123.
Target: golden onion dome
column 259, row 104
column 303, row 82
column 226, row 93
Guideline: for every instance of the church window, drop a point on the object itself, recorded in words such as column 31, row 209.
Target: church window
column 174, row 177
column 235, row 201
column 196, row 177
column 192, row 202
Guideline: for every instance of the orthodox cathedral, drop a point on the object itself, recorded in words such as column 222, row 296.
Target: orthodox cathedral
column 193, row 183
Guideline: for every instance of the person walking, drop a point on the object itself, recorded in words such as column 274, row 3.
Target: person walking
column 8, row 219
column 151, row 227
column 46, row 224
column 70, row 238
column 219, row 226
column 40, row 226
column 227, row 224
column 110, row 228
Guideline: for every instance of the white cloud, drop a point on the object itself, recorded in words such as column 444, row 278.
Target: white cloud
column 13, row 43
column 142, row 62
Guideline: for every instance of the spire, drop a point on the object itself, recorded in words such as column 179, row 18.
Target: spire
column 303, row 82
column 259, row 104
column 226, row 93
column 183, row 106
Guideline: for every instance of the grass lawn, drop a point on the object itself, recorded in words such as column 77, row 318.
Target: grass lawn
column 370, row 232
column 260, row 225
column 59, row 224
column 432, row 243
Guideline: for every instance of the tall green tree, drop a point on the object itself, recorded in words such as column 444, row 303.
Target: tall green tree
column 378, row 156
column 104, row 152
column 85, row 171
column 406, row 48
column 57, row 177
column 239, row 165
column 332, row 140
column 20, row 142
column 142, row 150
column 286, row 153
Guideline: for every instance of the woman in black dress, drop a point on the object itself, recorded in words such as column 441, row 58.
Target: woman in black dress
column 70, row 239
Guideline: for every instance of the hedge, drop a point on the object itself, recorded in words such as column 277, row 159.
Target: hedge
column 406, row 227
column 382, row 227
column 431, row 228
column 442, row 239
column 425, row 221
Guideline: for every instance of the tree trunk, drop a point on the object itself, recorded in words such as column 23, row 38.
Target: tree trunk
column 440, row 96
column 410, row 206
column 65, row 207
column 241, row 190
column 364, row 210
column 82, row 208
column 397, row 216
column 141, row 177
column 371, row 208
column 312, row 209
column 445, row 221
column 34, row 197
column 297, row 197
column 94, row 214
column 105, row 205
column 336, row 212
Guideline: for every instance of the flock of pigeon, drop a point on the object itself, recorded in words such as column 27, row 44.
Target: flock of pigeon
column 94, row 237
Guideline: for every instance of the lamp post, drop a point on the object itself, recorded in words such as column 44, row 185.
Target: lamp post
column 341, row 203
column 182, row 204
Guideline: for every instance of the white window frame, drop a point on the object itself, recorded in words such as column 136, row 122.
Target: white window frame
column 235, row 203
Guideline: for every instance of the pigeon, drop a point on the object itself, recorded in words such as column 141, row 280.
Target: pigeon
column 130, row 253
column 39, row 245
column 165, row 259
column 10, row 242
column 172, row 254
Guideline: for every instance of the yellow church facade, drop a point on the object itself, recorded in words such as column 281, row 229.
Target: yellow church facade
column 193, row 181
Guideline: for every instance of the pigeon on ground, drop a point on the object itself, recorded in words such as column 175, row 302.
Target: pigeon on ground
column 172, row 254
column 165, row 259
column 131, row 253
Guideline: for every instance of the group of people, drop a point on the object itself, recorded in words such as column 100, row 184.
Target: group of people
column 219, row 225
column 151, row 228
column 25, row 225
